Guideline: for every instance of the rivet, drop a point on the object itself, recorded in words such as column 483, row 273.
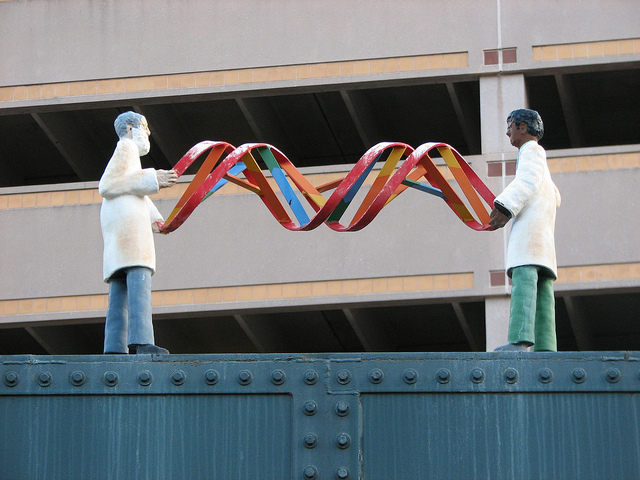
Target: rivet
column 245, row 377
column 310, row 440
column 278, row 377
column 612, row 375
column 110, row 379
column 342, row 409
column 145, row 378
column 545, row 375
column 310, row 472
column 344, row 377
column 77, row 378
column 376, row 376
column 443, row 376
column 44, row 379
column 11, row 379
column 310, row 408
column 342, row 473
column 410, row 376
column 511, row 375
column 211, row 377
column 343, row 441
column 310, row 377
column 578, row 375
column 476, row 375
column 178, row 377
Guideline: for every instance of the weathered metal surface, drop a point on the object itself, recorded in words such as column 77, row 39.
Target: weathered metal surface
column 373, row 416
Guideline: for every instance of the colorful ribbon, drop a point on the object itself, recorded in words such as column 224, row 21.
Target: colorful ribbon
column 224, row 163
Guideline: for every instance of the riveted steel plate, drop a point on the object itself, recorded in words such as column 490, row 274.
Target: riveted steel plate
column 374, row 416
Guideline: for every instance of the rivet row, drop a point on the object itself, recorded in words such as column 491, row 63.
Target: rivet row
column 311, row 472
column 477, row 376
column 342, row 441
column 145, row 378
column 310, row 408
column 278, row 377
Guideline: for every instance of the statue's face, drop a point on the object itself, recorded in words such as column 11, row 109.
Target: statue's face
column 143, row 125
column 517, row 133
column 140, row 136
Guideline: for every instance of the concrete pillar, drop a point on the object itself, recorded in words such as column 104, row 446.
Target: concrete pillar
column 499, row 96
column 497, row 320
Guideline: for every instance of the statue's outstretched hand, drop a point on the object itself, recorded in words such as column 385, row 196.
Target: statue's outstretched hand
column 497, row 219
column 155, row 227
column 166, row 178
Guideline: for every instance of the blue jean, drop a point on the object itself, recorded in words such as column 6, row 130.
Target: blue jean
column 129, row 311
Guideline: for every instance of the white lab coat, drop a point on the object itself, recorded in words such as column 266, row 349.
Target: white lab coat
column 127, row 213
column 532, row 198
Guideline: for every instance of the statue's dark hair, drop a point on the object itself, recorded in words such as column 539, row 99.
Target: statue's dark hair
column 124, row 119
column 530, row 118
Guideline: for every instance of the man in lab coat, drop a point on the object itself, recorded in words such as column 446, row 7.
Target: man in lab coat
column 531, row 200
column 128, row 219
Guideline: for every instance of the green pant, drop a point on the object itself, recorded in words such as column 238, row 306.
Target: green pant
column 533, row 313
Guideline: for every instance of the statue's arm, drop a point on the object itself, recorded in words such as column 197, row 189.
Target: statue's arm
column 123, row 175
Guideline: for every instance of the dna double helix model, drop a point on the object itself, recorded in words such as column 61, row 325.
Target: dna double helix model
column 403, row 167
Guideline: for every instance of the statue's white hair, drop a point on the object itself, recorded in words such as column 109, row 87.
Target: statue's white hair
column 124, row 119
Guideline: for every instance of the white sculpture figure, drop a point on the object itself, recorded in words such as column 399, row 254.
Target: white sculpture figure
column 128, row 219
column 531, row 200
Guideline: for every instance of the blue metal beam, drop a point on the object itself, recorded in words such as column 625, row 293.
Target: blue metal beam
column 374, row 416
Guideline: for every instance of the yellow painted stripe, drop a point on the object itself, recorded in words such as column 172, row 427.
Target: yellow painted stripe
column 376, row 285
column 323, row 288
column 605, row 48
column 578, row 163
column 287, row 73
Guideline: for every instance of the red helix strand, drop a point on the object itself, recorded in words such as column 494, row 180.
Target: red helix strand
column 403, row 167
